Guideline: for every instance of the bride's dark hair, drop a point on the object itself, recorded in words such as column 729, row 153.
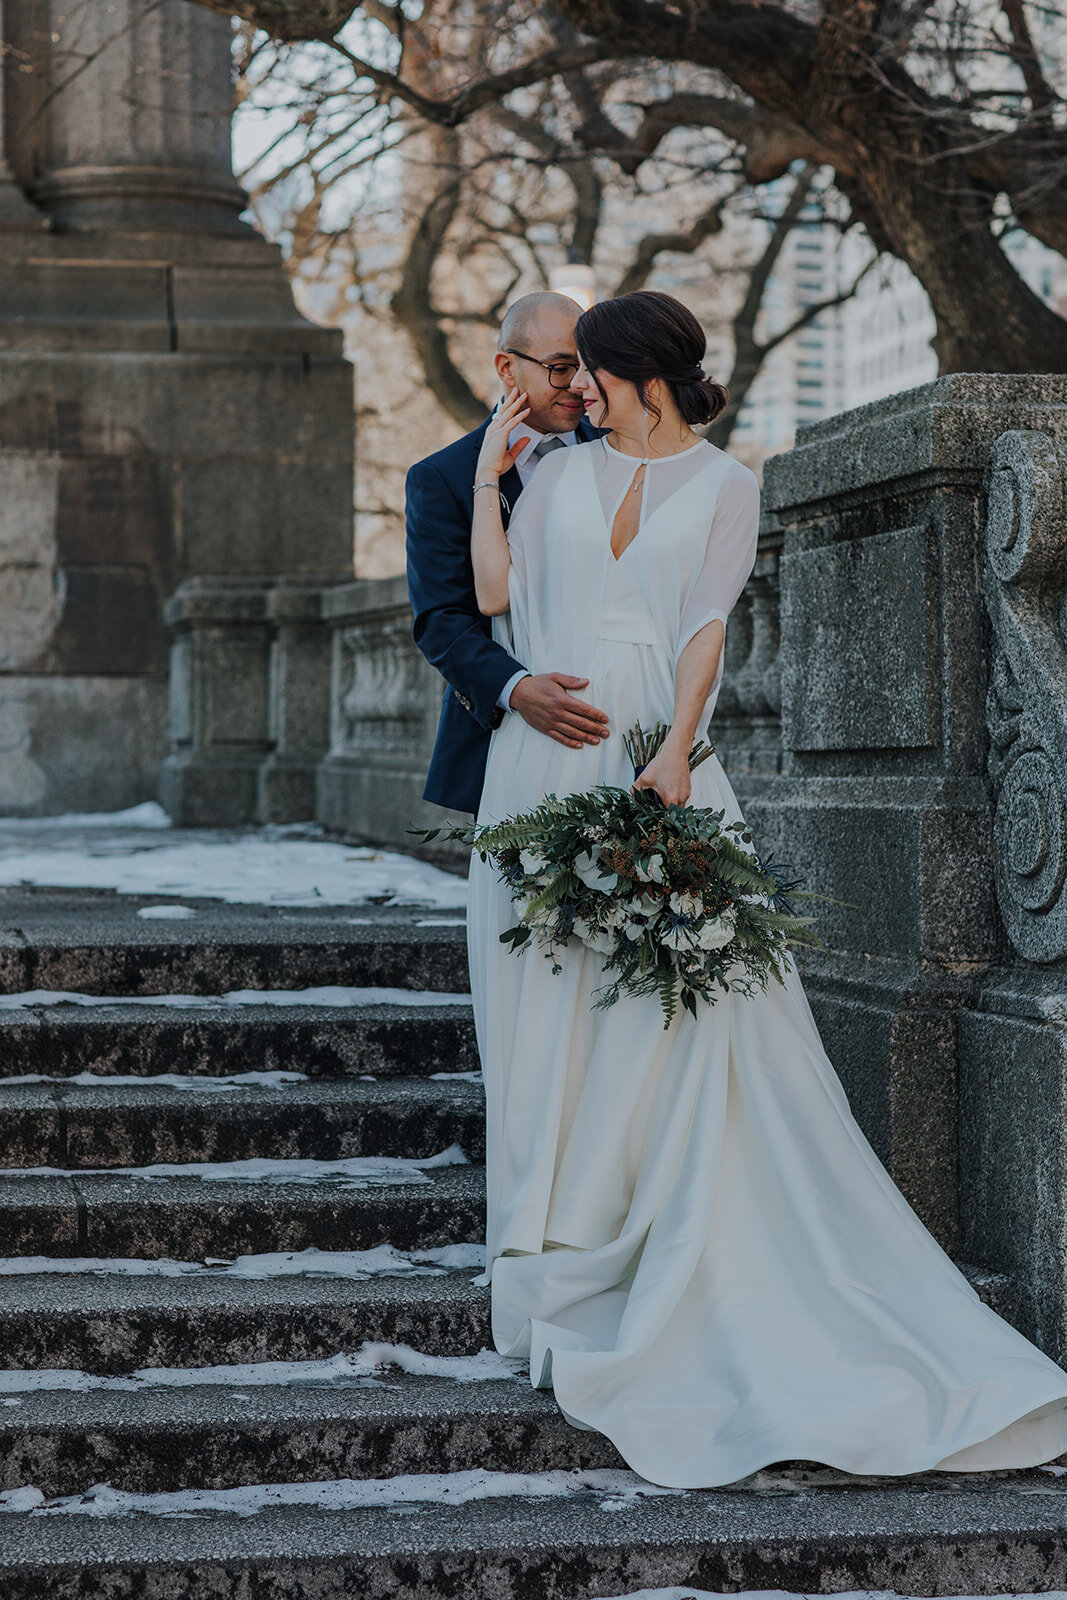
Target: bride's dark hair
column 647, row 335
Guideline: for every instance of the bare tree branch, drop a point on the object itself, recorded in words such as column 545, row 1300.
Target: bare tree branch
column 1025, row 55
column 679, row 242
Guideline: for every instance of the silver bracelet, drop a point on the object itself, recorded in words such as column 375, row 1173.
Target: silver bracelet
column 488, row 484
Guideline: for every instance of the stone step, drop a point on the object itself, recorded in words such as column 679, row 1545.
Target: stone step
column 129, row 1125
column 189, row 1219
column 386, row 1041
column 155, row 1440
column 930, row 1535
column 61, row 942
column 111, row 1323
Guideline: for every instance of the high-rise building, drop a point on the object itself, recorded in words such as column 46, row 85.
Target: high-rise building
column 876, row 343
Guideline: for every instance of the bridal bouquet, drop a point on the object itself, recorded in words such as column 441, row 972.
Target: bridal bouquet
column 668, row 896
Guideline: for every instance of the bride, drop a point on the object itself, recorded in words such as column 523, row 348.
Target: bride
column 688, row 1235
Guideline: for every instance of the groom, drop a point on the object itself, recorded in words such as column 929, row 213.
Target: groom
column 536, row 353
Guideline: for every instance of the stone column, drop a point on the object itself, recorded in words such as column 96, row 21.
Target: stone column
column 136, row 130
column 166, row 415
column 16, row 210
column 947, row 1035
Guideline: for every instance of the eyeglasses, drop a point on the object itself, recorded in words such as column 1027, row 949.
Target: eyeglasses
column 560, row 373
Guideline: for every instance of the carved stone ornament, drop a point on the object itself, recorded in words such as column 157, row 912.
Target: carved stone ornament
column 1024, row 537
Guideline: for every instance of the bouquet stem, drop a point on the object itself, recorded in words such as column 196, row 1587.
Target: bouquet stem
column 642, row 745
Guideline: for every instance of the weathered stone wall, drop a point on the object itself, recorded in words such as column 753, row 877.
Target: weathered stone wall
column 165, row 414
column 949, row 1039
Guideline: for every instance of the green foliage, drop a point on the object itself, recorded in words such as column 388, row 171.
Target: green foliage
column 676, row 894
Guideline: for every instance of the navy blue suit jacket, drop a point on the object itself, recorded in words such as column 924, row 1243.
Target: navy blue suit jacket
column 448, row 627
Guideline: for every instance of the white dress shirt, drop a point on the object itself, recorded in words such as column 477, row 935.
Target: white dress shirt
column 526, row 464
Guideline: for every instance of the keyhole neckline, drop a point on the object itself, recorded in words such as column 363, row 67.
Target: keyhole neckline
column 651, row 461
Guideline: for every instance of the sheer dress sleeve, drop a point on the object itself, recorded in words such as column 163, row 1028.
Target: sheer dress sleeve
column 728, row 559
column 526, row 531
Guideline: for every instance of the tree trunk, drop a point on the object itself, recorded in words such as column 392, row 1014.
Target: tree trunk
column 988, row 318
column 412, row 304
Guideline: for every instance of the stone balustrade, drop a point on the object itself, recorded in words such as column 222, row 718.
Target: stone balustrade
column 385, row 702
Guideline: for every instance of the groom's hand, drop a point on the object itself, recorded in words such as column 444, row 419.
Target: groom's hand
column 545, row 703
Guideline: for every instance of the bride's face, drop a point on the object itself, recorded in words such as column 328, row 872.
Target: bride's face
column 623, row 407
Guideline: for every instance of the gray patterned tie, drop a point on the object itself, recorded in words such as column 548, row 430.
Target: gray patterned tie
column 547, row 445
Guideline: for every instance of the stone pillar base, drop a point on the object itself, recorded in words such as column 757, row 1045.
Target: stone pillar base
column 220, row 667
column 199, row 791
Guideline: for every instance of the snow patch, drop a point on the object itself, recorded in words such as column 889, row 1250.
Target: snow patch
column 612, row 1487
column 455, row 1077
column 163, row 1080
column 687, row 1592
column 137, row 853
column 147, row 815
column 351, row 1172
column 384, row 1260
column 166, row 913
column 325, row 995
column 341, row 1371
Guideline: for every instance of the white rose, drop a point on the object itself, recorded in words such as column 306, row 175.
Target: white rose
column 716, row 932
column 684, row 904
column 587, row 868
column 598, row 940
column 532, row 862
column 653, row 873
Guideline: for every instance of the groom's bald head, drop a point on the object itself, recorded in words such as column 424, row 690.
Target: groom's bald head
column 523, row 320
column 537, row 331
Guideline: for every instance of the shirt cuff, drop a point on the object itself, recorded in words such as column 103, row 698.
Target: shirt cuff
column 504, row 697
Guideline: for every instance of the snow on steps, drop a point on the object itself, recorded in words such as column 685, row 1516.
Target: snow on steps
column 116, row 1324
column 953, row 1537
column 140, row 1123
column 164, row 1438
column 535, row 1539
column 190, row 1218
column 385, row 1041
column 74, row 942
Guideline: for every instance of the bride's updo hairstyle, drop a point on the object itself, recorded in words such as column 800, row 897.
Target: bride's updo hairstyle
column 647, row 335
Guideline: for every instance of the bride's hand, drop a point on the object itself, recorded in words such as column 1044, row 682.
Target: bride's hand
column 494, row 458
column 668, row 773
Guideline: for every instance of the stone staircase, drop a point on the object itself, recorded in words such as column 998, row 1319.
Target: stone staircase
column 370, row 1090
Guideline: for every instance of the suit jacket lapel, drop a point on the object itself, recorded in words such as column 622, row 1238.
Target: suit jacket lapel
column 511, row 483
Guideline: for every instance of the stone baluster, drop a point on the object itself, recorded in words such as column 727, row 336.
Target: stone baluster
column 386, row 700
column 219, row 699
column 737, row 647
column 749, row 684
column 299, row 728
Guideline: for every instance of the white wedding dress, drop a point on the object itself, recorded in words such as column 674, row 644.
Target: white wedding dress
column 688, row 1235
